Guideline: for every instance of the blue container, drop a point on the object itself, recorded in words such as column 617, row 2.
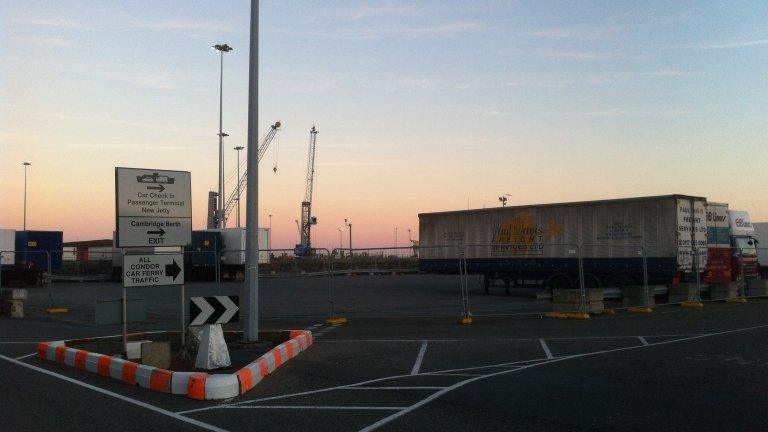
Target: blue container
column 205, row 245
column 31, row 248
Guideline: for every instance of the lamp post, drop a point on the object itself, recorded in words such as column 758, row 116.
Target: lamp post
column 221, row 48
column 503, row 199
column 349, row 225
column 238, row 148
column 25, row 164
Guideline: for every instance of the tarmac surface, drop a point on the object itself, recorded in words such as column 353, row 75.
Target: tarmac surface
column 418, row 369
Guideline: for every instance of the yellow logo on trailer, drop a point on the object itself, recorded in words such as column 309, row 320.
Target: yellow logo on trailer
column 521, row 235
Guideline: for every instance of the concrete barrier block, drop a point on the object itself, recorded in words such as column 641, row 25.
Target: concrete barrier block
column 649, row 301
column 636, row 291
column 574, row 295
column 13, row 308
column 157, row 354
column 594, row 306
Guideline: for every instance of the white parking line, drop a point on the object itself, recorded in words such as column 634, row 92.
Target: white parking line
column 396, row 388
column 460, row 384
column 25, row 356
column 480, row 340
column 171, row 414
column 419, row 358
column 546, row 349
column 313, row 407
column 642, row 340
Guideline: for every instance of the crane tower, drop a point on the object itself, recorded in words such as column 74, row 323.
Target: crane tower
column 232, row 201
column 307, row 220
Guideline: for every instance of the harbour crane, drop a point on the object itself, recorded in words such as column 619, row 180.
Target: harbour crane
column 232, row 201
column 307, row 220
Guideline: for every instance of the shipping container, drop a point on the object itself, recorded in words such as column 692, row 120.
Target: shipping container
column 33, row 249
column 233, row 240
column 205, row 247
column 543, row 242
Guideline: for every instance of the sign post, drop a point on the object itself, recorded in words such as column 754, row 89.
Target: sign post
column 153, row 208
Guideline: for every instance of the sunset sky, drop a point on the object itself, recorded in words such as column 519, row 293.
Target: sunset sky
column 420, row 106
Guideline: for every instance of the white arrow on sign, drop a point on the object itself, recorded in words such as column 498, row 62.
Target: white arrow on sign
column 232, row 308
column 206, row 310
column 213, row 310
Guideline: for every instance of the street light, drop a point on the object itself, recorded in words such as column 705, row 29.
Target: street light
column 503, row 199
column 349, row 224
column 221, row 48
column 25, row 164
column 341, row 244
column 238, row 148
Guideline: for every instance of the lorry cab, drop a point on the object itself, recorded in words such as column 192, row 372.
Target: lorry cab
column 744, row 258
column 744, row 263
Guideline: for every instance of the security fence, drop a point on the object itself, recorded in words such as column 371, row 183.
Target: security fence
column 456, row 280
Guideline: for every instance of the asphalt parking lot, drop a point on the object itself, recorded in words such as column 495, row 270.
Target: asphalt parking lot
column 677, row 369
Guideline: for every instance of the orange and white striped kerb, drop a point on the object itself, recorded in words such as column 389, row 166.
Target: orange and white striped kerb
column 223, row 386
column 199, row 386
column 149, row 377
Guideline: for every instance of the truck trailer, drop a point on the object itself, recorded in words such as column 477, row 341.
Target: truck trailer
column 544, row 244
column 27, row 255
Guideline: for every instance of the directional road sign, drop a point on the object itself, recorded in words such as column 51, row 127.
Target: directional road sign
column 152, row 270
column 213, row 310
column 153, row 207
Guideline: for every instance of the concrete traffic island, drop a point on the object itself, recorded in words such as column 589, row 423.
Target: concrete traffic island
column 87, row 354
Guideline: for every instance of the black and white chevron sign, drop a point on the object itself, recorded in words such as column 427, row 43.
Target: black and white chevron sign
column 213, row 310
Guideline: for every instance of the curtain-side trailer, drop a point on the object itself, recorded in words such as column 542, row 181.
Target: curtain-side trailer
column 545, row 243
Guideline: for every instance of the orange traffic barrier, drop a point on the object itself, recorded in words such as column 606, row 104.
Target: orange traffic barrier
column 196, row 386
column 103, row 366
column 160, row 381
column 129, row 372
